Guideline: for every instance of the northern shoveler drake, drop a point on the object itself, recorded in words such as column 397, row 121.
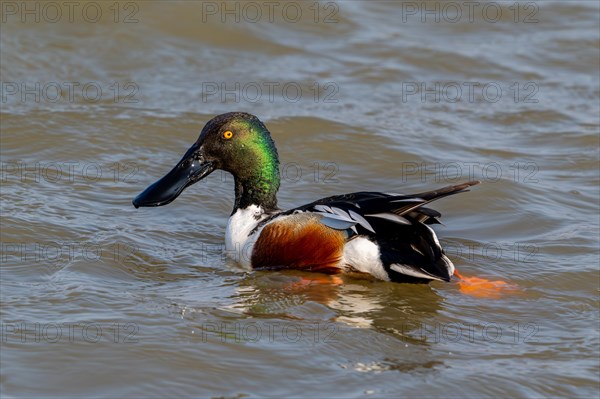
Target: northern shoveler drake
column 385, row 235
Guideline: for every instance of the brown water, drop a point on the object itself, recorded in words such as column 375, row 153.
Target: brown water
column 100, row 299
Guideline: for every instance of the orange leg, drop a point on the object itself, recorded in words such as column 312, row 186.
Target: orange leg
column 483, row 288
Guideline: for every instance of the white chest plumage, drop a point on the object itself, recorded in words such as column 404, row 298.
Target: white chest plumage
column 238, row 241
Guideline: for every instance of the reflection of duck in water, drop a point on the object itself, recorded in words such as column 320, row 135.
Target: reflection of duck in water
column 323, row 298
column 384, row 235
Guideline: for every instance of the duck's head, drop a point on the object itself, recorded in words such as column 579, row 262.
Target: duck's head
column 236, row 142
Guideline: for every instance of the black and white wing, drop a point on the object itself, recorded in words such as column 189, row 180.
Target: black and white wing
column 409, row 248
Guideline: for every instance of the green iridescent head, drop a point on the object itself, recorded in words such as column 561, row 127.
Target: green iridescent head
column 236, row 142
column 240, row 144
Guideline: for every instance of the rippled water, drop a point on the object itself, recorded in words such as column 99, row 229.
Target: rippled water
column 100, row 299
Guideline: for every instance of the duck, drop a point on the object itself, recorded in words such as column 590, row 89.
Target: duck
column 379, row 235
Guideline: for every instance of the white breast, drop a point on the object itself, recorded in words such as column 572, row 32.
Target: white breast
column 238, row 242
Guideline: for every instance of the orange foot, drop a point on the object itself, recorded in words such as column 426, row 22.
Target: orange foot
column 318, row 279
column 482, row 288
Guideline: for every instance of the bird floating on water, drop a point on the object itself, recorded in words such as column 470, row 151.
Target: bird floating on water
column 385, row 235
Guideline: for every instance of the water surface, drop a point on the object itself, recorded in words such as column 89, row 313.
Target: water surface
column 101, row 299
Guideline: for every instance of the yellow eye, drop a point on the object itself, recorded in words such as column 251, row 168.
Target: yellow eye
column 228, row 134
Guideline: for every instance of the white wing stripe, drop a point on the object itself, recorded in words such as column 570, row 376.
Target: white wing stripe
column 410, row 271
